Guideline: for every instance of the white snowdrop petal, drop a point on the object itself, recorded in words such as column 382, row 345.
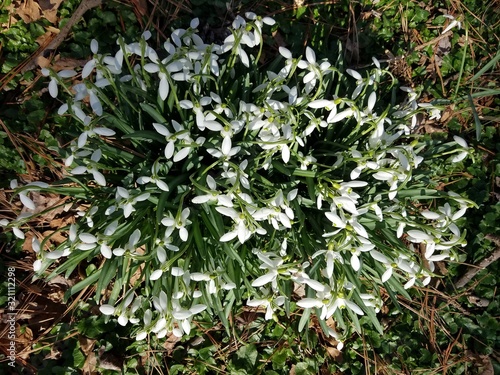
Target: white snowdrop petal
column 460, row 141
column 107, row 309
column 430, row 215
column 316, row 285
column 66, row 73
column 155, row 275
column 163, row 89
column 88, row 68
column 99, row 178
column 182, row 154
column 87, row 238
column 37, row 265
column 27, row 202
column 264, row 279
column 162, row 185
column 226, row 145
column 309, row 302
column 161, row 129
column 285, row 52
column 53, row 90
column 386, row 275
column 310, row 55
column 57, row 254
column 18, row 233
column 354, row 307
column 355, row 264
column 94, row 46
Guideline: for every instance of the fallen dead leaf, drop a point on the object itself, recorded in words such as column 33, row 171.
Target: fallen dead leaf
column 90, row 365
column 56, row 237
column 428, row 128
column 42, row 62
column 47, row 37
column 86, row 344
column 334, row 353
column 169, row 344
column 49, row 9
column 28, row 10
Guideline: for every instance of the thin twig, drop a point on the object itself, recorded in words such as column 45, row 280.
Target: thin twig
column 482, row 265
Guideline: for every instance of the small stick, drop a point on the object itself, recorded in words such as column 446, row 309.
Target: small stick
column 483, row 264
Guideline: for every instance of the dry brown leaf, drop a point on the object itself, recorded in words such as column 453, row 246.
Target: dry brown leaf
column 55, row 237
column 86, row 344
column 42, row 62
column 68, row 63
column 49, row 9
column 28, row 10
column 28, row 244
column 428, row 128
column 334, row 353
column 90, row 365
column 47, row 37
column 169, row 344
column 62, row 222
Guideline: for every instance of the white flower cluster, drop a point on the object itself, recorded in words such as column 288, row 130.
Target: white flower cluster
column 265, row 183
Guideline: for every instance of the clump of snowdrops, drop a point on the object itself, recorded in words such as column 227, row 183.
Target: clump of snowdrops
column 212, row 181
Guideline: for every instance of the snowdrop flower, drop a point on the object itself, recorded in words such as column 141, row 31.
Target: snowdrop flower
column 126, row 314
column 91, row 167
column 141, row 335
column 454, row 22
column 153, row 178
column 270, row 304
column 91, row 132
column 215, row 281
column 180, row 223
column 329, row 303
column 274, row 266
column 465, row 149
column 91, row 64
column 331, row 256
column 360, row 82
column 214, row 195
column 25, row 200
column 241, row 227
column 161, row 246
column 180, row 136
column 126, row 201
column 130, row 247
column 55, row 79
column 305, row 161
column 285, row 71
column 15, row 229
column 435, row 113
column 370, row 300
column 392, row 178
column 184, row 316
column 315, row 70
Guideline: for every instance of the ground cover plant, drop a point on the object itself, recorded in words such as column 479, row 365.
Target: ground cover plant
column 328, row 137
